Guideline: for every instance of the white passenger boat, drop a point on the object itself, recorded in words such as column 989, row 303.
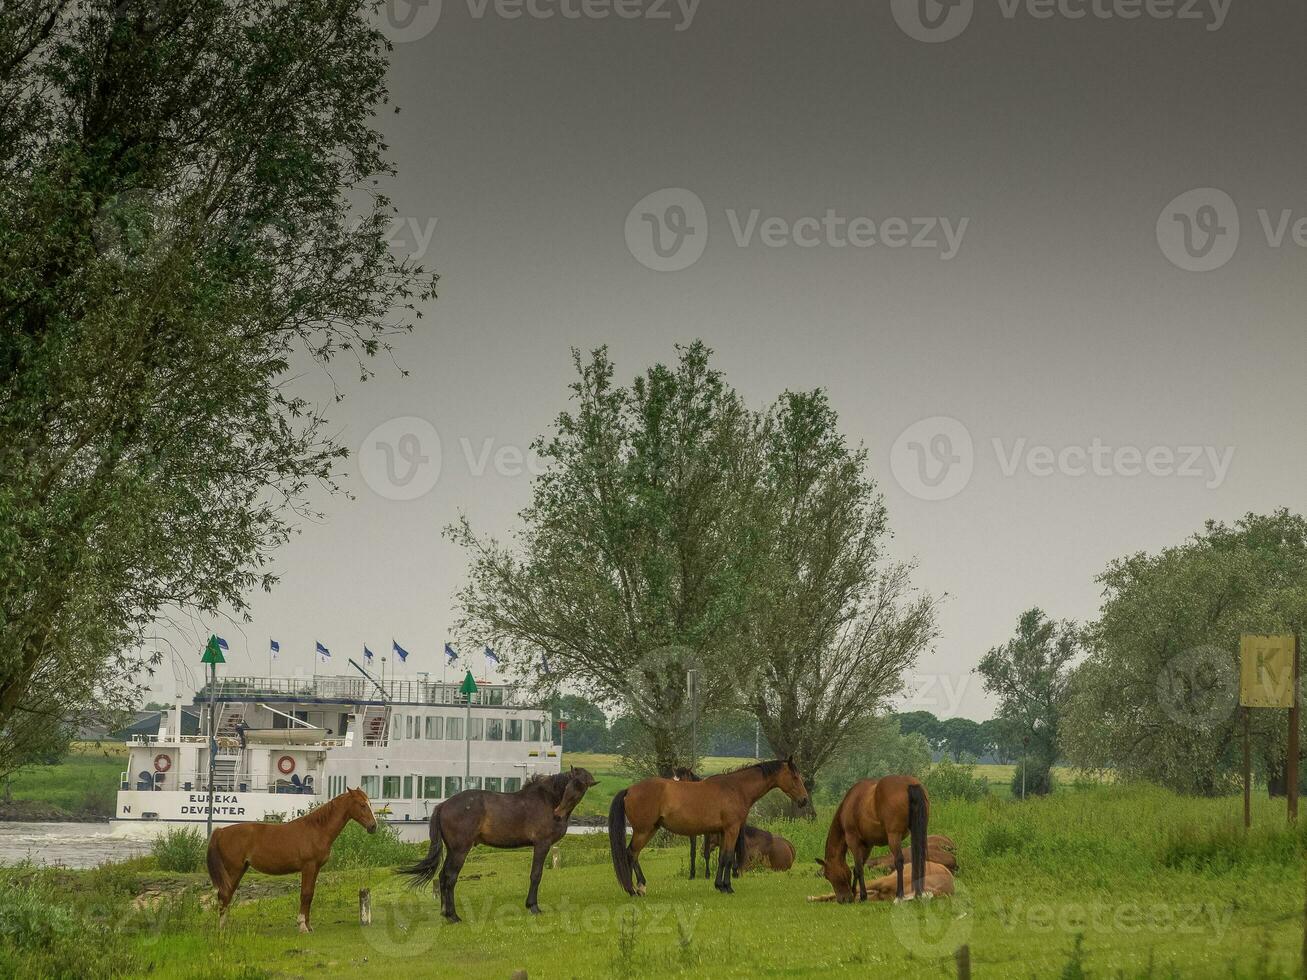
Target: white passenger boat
column 283, row 745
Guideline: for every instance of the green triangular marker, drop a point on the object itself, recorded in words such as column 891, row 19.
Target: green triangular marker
column 469, row 686
column 212, row 653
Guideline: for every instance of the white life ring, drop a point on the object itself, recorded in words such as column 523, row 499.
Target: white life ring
column 286, row 765
column 162, row 763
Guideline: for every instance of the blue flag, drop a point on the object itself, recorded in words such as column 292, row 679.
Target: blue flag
column 449, row 652
column 222, row 644
column 367, row 654
column 400, row 652
column 321, row 649
column 274, row 646
column 491, row 658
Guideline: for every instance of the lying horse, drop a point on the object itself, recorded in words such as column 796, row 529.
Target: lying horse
column 876, row 811
column 761, row 850
column 938, row 881
column 302, row 845
column 942, row 842
column 719, row 805
column 934, row 855
column 535, row 816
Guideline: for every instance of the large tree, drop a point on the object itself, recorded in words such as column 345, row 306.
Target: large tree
column 635, row 559
column 188, row 206
column 1157, row 696
column 834, row 623
column 1029, row 676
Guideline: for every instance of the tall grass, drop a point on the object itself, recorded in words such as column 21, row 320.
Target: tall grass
column 180, row 849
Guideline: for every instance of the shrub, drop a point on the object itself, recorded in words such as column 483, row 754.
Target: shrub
column 180, row 849
column 952, row 781
column 356, row 848
column 42, row 937
column 1038, row 780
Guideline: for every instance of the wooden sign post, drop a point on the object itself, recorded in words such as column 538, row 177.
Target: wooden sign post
column 1269, row 678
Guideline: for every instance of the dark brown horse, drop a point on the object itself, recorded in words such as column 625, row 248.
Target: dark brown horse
column 762, row 849
column 535, row 816
column 713, row 806
column 302, row 845
column 874, row 812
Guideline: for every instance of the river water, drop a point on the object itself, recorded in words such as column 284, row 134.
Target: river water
column 84, row 845
column 73, row 845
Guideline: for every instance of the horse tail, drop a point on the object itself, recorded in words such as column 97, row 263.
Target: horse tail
column 217, row 868
column 617, row 840
column 741, row 847
column 917, row 819
column 426, row 869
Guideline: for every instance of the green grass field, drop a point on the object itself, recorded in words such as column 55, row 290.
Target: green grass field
column 1111, row 881
column 83, row 784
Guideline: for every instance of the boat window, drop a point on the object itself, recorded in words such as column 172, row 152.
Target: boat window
column 494, row 729
column 454, row 728
column 390, row 787
column 495, row 695
column 512, row 784
column 535, row 731
column 453, row 785
column 408, row 726
column 494, row 784
column 473, row 782
column 435, row 726
column 432, row 787
column 408, row 787
column 513, row 731
column 475, row 729
column 371, row 785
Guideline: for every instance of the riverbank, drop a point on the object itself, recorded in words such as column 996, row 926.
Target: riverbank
column 1108, row 881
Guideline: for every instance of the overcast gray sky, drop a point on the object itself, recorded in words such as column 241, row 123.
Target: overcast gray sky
column 1052, row 283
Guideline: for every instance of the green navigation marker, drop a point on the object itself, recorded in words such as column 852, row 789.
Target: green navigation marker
column 212, row 653
column 469, row 686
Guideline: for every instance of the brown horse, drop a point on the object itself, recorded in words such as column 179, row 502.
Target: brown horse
column 714, row 806
column 762, row 849
column 938, row 881
column 873, row 812
column 710, row 841
column 934, row 855
column 943, row 842
column 302, row 845
column 535, row 816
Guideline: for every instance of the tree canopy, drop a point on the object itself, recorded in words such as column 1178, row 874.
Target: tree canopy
column 189, row 207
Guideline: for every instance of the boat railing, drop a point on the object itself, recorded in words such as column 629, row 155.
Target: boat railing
column 355, row 690
column 226, row 743
column 239, row 782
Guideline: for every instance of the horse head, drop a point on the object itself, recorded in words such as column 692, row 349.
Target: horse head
column 578, row 781
column 359, row 808
column 790, row 782
column 840, row 878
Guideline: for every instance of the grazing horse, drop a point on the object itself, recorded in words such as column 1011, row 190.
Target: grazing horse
column 535, row 816
column 873, row 812
column 713, row 806
column 302, row 845
column 761, row 849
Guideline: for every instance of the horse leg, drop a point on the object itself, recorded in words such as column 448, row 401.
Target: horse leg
column 860, row 854
column 308, row 879
column 896, row 848
column 726, row 862
column 537, row 868
column 694, row 860
column 448, row 879
column 228, row 892
column 639, row 838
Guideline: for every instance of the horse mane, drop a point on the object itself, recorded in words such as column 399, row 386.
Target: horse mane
column 319, row 814
column 768, row 768
column 552, row 783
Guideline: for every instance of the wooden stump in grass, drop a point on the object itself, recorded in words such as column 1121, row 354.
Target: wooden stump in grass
column 964, row 962
column 365, row 906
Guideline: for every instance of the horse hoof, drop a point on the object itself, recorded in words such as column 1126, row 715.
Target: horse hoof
column 451, row 919
column 305, row 928
column 533, row 909
column 639, row 889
